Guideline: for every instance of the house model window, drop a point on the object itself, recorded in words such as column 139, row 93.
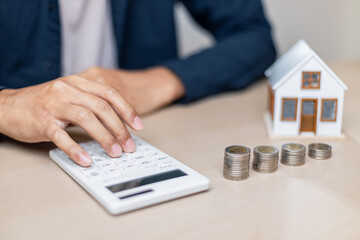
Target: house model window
column 311, row 80
column 329, row 109
column 289, row 109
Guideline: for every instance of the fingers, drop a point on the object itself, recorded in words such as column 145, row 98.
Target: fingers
column 100, row 110
column 112, row 96
column 106, row 114
column 63, row 141
column 86, row 119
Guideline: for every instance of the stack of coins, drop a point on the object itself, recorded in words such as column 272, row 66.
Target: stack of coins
column 265, row 159
column 293, row 154
column 236, row 162
column 319, row 151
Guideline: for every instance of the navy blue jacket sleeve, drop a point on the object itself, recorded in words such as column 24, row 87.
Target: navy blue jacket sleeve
column 243, row 50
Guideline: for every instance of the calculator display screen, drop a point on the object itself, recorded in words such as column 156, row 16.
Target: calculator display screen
column 146, row 180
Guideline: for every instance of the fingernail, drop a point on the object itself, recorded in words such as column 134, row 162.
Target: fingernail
column 130, row 145
column 138, row 123
column 116, row 150
column 85, row 159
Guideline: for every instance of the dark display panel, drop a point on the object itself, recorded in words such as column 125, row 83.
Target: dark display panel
column 146, row 180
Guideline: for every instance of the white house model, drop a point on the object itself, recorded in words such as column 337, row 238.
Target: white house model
column 306, row 98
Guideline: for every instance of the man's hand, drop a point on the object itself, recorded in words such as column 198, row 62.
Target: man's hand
column 42, row 112
column 145, row 90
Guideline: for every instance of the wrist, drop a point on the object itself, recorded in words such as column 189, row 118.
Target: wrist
column 169, row 83
column 3, row 99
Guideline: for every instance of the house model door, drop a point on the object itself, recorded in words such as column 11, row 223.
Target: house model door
column 308, row 115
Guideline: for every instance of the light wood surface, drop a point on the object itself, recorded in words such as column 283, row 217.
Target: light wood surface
column 319, row 200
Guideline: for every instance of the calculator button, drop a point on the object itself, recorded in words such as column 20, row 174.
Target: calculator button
column 135, row 155
column 145, row 163
column 151, row 166
column 130, row 167
column 113, row 172
column 137, row 158
column 152, row 154
column 164, row 160
column 156, row 155
column 167, row 166
column 94, row 174
column 122, row 160
column 104, row 165
column 98, row 160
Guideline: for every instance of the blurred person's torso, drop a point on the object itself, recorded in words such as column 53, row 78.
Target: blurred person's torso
column 87, row 36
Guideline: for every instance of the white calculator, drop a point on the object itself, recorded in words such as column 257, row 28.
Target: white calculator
column 134, row 180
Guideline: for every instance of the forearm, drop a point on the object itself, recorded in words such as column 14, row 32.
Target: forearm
column 243, row 50
column 146, row 90
column 233, row 63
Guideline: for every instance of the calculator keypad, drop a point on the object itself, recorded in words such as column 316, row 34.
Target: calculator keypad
column 145, row 158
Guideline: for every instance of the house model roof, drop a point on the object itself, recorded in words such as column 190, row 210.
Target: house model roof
column 291, row 61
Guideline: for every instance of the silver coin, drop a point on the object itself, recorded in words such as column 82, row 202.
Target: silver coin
column 319, row 151
column 265, row 159
column 236, row 162
column 293, row 154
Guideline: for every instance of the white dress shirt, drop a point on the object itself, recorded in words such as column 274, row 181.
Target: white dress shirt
column 87, row 36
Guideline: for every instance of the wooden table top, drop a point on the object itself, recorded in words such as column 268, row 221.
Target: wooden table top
column 319, row 200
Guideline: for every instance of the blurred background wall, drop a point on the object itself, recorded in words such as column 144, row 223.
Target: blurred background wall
column 331, row 27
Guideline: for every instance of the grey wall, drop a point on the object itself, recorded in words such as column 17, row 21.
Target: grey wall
column 331, row 27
